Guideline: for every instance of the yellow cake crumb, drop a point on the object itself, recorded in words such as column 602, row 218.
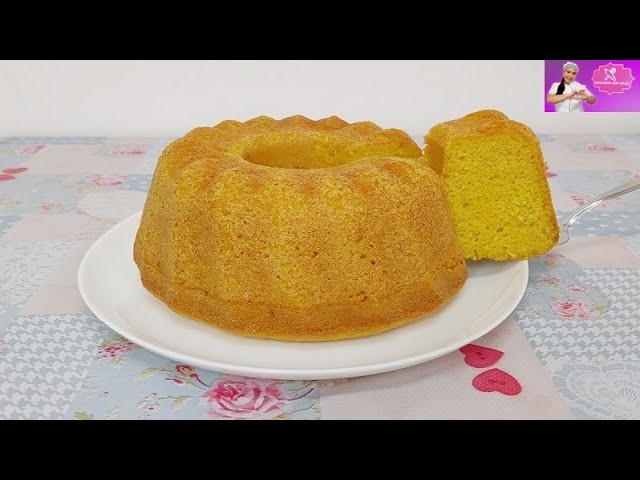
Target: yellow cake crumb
column 494, row 177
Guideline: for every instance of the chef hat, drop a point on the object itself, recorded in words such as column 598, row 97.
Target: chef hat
column 570, row 65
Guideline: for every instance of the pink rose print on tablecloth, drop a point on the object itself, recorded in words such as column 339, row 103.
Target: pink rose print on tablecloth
column 574, row 310
column 228, row 398
column 50, row 206
column 104, row 181
column 245, row 398
column 480, row 357
column 186, row 371
column 577, row 288
column 29, row 150
column 600, row 148
column 125, row 150
column 547, row 172
column 582, row 199
column 550, row 280
column 495, row 380
column 115, row 350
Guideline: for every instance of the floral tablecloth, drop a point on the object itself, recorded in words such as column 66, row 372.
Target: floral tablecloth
column 570, row 350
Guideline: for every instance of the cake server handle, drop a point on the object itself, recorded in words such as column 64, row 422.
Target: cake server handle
column 608, row 195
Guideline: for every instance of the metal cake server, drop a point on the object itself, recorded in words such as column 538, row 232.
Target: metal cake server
column 608, row 195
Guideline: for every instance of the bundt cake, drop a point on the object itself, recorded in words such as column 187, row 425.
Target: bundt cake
column 298, row 230
column 494, row 179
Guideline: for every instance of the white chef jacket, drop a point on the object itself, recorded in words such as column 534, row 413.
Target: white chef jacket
column 569, row 104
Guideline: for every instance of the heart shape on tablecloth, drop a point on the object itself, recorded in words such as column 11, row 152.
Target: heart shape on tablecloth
column 480, row 357
column 14, row 171
column 495, row 380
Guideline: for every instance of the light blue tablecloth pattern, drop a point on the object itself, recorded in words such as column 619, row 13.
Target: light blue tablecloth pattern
column 580, row 315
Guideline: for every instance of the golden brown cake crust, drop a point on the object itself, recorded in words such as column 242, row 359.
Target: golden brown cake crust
column 298, row 230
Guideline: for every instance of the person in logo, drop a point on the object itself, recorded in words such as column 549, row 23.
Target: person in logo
column 568, row 94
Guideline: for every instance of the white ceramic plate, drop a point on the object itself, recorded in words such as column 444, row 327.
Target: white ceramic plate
column 110, row 284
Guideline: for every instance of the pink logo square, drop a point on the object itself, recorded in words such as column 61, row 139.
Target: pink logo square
column 612, row 78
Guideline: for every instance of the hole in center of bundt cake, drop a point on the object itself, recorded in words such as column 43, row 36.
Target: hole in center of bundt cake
column 306, row 150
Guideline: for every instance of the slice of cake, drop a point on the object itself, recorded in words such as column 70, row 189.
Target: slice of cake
column 494, row 178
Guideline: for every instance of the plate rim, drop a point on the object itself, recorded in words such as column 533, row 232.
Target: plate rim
column 279, row 373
